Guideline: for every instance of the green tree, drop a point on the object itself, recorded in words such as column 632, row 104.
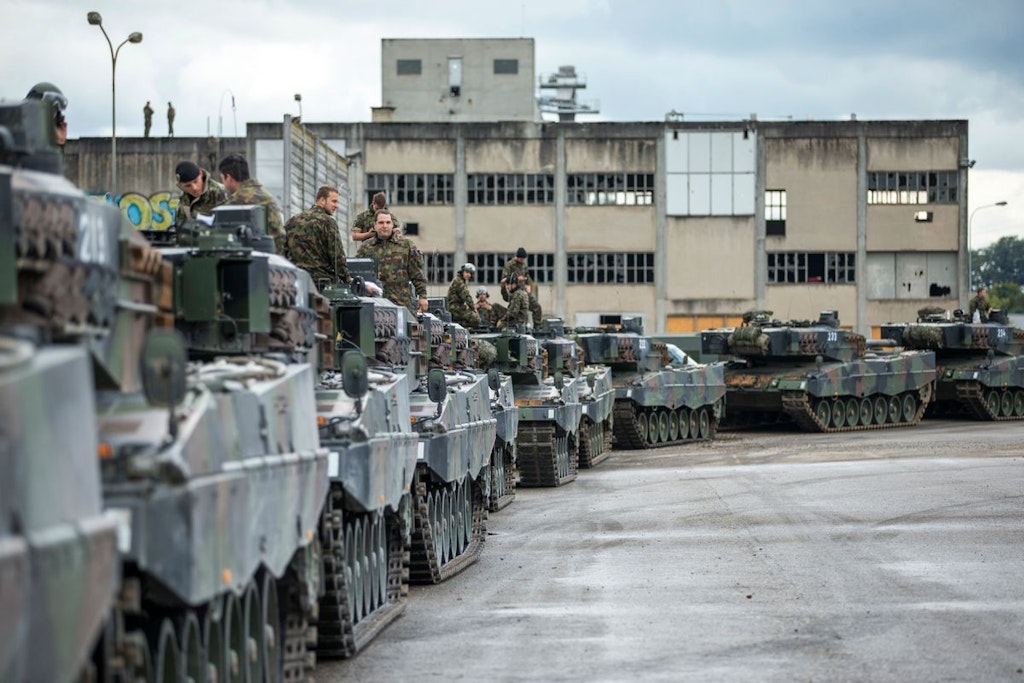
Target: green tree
column 1002, row 261
column 1006, row 296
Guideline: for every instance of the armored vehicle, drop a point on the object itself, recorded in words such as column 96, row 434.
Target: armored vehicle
column 366, row 525
column 979, row 366
column 59, row 563
column 657, row 403
column 819, row 376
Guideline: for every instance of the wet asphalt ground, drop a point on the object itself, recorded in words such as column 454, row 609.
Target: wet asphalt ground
column 886, row 555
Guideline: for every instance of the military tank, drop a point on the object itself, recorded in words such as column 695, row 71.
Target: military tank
column 657, row 403
column 59, row 562
column 818, row 376
column 979, row 366
column 364, row 419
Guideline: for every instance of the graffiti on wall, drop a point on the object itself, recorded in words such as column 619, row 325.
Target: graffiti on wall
column 154, row 212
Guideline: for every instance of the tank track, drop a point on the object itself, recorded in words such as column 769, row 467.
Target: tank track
column 797, row 405
column 630, row 434
column 972, row 397
column 595, row 443
column 297, row 648
column 337, row 635
column 548, row 455
column 503, row 476
column 436, row 551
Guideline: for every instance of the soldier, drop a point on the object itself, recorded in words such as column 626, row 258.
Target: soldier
column 460, row 303
column 241, row 189
column 312, row 240
column 147, row 118
column 49, row 92
column 517, row 265
column 518, row 314
column 980, row 304
column 170, row 120
column 398, row 262
column 489, row 313
column 362, row 226
column 199, row 192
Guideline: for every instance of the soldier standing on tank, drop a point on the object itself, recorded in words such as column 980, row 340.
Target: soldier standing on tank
column 398, row 263
column 460, row 303
column 517, row 266
column 312, row 240
column 147, row 119
column 199, row 192
column 518, row 314
column 362, row 226
column 980, row 304
column 241, row 189
column 170, row 120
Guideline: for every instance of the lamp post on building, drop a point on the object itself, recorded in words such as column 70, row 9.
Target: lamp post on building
column 970, row 219
column 135, row 37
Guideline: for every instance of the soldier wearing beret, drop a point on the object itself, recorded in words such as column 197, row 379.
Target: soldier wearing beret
column 241, row 189
column 312, row 240
column 199, row 192
column 398, row 263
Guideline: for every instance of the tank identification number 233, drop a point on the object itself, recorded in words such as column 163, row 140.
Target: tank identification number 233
column 832, row 336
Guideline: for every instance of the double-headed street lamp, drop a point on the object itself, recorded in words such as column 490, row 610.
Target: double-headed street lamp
column 96, row 20
column 970, row 274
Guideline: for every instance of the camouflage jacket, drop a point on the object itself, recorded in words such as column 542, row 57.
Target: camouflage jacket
column 251, row 192
column 213, row 195
column 398, row 263
column 518, row 309
column 513, row 266
column 312, row 242
column 489, row 317
column 981, row 305
column 365, row 221
column 460, row 303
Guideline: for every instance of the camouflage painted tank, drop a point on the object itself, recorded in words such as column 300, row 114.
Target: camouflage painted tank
column 656, row 403
column 819, row 376
column 366, row 526
column 224, row 483
column 979, row 366
column 59, row 563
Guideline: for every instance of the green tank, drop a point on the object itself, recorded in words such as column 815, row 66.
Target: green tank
column 657, row 402
column 59, row 562
column 818, row 376
column 979, row 366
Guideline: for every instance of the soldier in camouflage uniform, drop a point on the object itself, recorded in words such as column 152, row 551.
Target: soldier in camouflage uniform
column 312, row 240
column 460, row 303
column 241, row 189
column 980, row 304
column 199, row 192
column 490, row 314
column 517, row 266
column 518, row 314
column 362, row 226
column 398, row 263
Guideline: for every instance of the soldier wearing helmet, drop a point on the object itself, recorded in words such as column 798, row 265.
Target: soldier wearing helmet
column 460, row 303
column 48, row 92
column 489, row 313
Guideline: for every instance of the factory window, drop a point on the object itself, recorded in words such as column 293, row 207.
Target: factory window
column 414, row 188
column 912, row 187
column 506, row 67
column 510, row 188
column 410, row 67
column 490, row 264
column 795, row 267
column 439, row 267
column 611, row 268
column 600, row 189
column 775, row 212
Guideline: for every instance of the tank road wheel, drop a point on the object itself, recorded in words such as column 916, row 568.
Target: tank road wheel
column 467, row 514
column 369, row 571
column 992, row 399
column 271, row 623
column 641, row 425
column 190, row 639
column 1018, row 403
column 458, row 543
column 705, row 423
column 653, row 428
column 852, row 412
column 909, row 406
column 166, row 655
column 381, row 552
column 355, row 546
column 664, row 429
column 694, row 424
column 234, row 640
column 684, row 423
column 864, row 411
column 880, row 409
column 1006, row 403
column 895, row 410
column 673, row 425
column 446, row 522
column 213, row 644
column 823, row 411
column 253, row 610
column 838, row 413
column 434, row 513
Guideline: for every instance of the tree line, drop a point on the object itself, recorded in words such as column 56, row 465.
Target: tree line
column 1000, row 268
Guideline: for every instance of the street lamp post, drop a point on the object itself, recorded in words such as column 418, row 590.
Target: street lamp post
column 135, row 37
column 970, row 219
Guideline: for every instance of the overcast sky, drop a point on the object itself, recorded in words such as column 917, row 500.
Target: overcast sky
column 709, row 59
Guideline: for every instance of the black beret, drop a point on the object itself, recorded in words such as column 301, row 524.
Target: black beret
column 186, row 172
column 520, row 252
